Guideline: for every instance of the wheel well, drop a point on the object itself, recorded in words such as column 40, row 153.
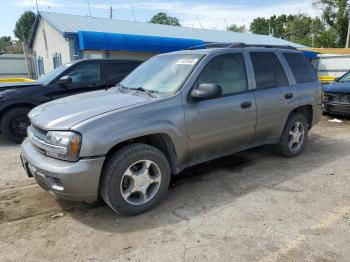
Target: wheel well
column 8, row 108
column 306, row 111
column 160, row 141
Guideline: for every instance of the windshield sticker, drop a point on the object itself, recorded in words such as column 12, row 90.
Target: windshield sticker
column 186, row 61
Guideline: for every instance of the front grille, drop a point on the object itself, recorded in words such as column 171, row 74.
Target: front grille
column 339, row 98
column 38, row 132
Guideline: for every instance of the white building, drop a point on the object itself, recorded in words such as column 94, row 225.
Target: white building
column 60, row 38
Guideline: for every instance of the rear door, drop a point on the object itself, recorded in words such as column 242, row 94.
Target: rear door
column 117, row 71
column 86, row 76
column 274, row 95
column 219, row 126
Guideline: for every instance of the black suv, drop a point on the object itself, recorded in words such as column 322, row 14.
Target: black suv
column 17, row 99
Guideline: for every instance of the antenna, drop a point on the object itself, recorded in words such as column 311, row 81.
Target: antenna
column 199, row 21
column 132, row 12
column 88, row 3
column 110, row 12
column 226, row 23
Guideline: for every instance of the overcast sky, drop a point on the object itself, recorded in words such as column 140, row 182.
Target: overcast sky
column 200, row 13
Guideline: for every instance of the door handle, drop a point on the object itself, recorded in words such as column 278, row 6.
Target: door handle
column 246, row 105
column 92, row 85
column 288, row 96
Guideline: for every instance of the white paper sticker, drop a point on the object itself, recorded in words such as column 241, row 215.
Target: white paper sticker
column 187, row 61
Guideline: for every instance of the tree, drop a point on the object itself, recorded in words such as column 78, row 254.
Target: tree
column 24, row 26
column 260, row 26
column 336, row 15
column 5, row 42
column 164, row 19
column 236, row 28
column 305, row 30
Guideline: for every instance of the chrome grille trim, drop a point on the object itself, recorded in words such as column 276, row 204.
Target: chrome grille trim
column 37, row 140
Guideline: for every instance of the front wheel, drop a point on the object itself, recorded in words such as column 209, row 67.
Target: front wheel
column 14, row 124
column 135, row 179
column 294, row 136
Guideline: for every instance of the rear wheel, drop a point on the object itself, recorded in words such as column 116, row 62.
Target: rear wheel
column 14, row 124
column 135, row 179
column 294, row 136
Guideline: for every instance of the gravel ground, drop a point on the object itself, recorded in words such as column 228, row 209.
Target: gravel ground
column 252, row 206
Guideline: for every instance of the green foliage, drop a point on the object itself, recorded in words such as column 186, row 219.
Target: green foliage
column 260, row 26
column 301, row 29
column 336, row 16
column 24, row 26
column 236, row 28
column 164, row 19
column 5, row 42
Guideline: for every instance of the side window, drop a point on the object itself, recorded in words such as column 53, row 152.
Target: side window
column 228, row 71
column 117, row 71
column 87, row 72
column 302, row 69
column 280, row 74
column 263, row 70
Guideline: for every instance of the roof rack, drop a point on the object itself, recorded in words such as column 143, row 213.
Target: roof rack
column 238, row 45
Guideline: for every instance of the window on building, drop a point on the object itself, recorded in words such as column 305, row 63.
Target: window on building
column 228, row 71
column 57, row 60
column 302, row 69
column 41, row 70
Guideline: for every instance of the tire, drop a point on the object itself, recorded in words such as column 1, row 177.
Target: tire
column 14, row 124
column 287, row 146
column 116, row 182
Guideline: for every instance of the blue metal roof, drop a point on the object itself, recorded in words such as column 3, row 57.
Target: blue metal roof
column 67, row 24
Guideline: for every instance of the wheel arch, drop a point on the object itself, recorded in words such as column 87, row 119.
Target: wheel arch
column 7, row 108
column 305, row 110
column 161, row 141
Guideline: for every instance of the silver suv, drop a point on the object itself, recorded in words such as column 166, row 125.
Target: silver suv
column 174, row 111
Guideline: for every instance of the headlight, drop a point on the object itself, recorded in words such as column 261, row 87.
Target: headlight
column 63, row 145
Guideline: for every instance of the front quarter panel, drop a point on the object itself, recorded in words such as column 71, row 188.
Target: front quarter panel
column 165, row 115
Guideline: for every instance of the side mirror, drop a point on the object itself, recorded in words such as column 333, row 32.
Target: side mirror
column 206, row 91
column 64, row 80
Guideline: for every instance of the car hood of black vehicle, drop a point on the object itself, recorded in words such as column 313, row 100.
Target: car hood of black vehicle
column 9, row 86
column 338, row 87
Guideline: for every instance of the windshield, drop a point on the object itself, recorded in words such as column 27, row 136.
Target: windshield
column 345, row 78
column 163, row 74
column 46, row 79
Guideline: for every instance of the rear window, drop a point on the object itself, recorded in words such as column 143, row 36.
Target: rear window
column 117, row 71
column 302, row 69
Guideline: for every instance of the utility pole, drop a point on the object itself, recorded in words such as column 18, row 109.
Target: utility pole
column 110, row 12
column 348, row 36
column 37, row 7
column 312, row 32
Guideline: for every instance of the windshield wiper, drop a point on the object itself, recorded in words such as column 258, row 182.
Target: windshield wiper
column 147, row 91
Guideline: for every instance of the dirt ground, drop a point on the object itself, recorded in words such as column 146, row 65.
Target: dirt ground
column 253, row 206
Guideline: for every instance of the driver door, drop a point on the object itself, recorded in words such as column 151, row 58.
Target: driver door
column 218, row 126
column 83, row 77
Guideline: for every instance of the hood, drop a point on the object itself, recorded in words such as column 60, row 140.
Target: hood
column 64, row 113
column 341, row 87
column 8, row 86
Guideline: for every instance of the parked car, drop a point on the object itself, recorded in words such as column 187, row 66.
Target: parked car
column 174, row 111
column 17, row 99
column 336, row 96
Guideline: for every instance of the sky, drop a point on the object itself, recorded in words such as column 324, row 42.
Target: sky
column 197, row 13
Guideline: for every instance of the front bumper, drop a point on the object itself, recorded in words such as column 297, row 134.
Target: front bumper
column 336, row 108
column 77, row 181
